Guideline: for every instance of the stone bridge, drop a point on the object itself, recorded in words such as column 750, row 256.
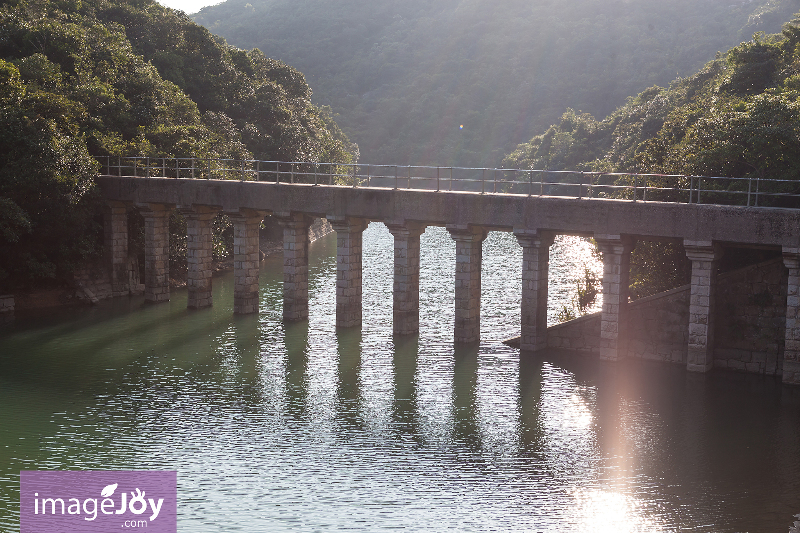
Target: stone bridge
column 616, row 225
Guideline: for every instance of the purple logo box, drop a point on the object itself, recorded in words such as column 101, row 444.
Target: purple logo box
column 86, row 501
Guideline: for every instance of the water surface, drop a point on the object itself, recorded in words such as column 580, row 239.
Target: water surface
column 303, row 427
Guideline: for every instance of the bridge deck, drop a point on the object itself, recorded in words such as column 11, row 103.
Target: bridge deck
column 652, row 220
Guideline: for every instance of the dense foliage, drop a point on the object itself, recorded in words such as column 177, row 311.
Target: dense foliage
column 739, row 117
column 84, row 79
column 406, row 75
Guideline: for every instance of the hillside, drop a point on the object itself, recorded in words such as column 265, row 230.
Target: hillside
column 738, row 117
column 404, row 76
column 93, row 78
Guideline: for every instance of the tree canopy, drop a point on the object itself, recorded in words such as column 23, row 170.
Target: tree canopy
column 82, row 79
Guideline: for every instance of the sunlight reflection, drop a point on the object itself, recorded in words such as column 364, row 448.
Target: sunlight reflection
column 602, row 511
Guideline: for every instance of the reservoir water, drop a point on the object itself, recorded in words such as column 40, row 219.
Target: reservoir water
column 303, row 428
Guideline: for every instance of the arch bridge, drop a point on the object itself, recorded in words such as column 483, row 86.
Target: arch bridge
column 615, row 209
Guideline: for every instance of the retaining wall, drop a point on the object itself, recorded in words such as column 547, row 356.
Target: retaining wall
column 750, row 321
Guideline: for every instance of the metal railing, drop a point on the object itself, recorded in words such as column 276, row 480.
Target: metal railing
column 527, row 182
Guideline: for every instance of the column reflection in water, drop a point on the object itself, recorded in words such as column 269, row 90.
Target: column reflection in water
column 404, row 415
column 348, row 341
column 296, row 369
column 465, row 377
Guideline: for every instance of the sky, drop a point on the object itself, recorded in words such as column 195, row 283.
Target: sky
column 189, row 6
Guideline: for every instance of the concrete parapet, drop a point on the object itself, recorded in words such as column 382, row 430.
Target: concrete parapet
column 199, row 254
column 245, row 259
column 533, row 307
column 406, row 277
column 348, row 269
column 469, row 255
column 295, row 264
column 156, row 251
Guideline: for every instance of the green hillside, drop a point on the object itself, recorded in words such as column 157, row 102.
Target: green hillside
column 404, row 76
column 738, row 117
column 84, row 78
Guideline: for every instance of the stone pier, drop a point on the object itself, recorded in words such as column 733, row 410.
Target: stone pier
column 156, row 251
column 199, row 254
column 295, row 264
column 616, row 251
column 533, row 309
column 116, row 246
column 469, row 254
column 704, row 256
column 246, row 223
column 406, row 277
column 791, row 352
column 348, row 269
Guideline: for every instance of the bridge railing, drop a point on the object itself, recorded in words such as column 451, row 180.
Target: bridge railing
column 527, row 182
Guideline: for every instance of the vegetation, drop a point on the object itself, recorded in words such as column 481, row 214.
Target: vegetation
column 739, row 117
column 406, row 75
column 84, row 79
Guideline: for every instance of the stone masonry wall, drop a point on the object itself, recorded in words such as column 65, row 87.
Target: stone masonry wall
column 751, row 318
column 750, row 321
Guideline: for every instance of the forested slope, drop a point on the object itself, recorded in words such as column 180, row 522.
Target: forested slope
column 405, row 75
column 95, row 78
column 738, row 117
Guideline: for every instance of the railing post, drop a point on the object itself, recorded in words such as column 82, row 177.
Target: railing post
column 749, row 189
column 580, row 188
column 691, row 188
column 483, row 181
column 644, row 188
column 494, row 186
column 699, row 181
column 451, row 178
column 758, row 188
column 409, row 176
column 316, row 168
column 437, row 179
column 395, row 177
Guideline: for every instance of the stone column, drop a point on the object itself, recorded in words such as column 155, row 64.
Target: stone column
column 199, row 253
column 348, row 269
column 156, row 251
column 246, row 223
column 791, row 350
column 616, row 251
column 406, row 277
column 704, row 256
column 533, row 311
column 469, row 253
column 295, row 264
column 115, row 226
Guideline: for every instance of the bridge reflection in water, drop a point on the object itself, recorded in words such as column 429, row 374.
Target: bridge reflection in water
column 615, row 224
column 283, row 426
